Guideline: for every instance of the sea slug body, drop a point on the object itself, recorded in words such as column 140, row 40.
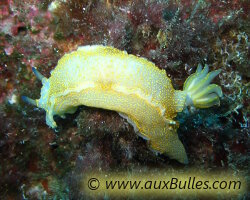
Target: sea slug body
column 105, row 77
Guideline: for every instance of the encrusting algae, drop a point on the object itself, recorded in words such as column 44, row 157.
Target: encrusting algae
column 105, row 77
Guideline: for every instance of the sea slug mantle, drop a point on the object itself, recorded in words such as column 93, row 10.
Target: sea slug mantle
column 105, row 77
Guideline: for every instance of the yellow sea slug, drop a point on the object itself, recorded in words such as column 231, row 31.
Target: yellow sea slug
column 105, row 77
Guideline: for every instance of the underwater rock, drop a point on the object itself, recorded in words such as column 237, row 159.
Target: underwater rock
column 176, row 35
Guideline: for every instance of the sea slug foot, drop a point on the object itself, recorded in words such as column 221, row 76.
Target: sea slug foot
column 50, row 121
